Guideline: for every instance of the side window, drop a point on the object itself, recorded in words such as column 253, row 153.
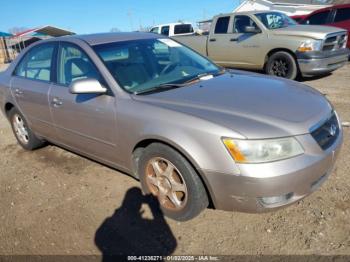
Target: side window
column 241, row 21
column 154, row 30
column 342, row 15
column 37, row 63
column 165, row 30
column 222, row 25
column 183, row 29
column 318, row 19
column 74, row 64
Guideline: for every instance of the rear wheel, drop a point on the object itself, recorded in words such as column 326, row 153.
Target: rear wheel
column 24, row 135
column 167, row 175
column 282, row 64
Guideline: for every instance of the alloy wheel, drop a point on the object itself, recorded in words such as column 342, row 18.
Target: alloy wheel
column 165, row 181
column 280, row 67
column 20, row 129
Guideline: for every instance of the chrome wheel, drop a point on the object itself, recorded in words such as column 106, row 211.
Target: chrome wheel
column 165, row 181
column 20, row 129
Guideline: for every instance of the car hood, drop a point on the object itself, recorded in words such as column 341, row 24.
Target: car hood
column 252, row 105
column 310, row 31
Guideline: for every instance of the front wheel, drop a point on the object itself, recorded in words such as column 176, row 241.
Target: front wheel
column 282, row 64
column 167, row 175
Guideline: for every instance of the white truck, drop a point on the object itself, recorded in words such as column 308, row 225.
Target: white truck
column 173, row 29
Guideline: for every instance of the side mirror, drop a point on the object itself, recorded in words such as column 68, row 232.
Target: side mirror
column 252, row 30
column 87, row 86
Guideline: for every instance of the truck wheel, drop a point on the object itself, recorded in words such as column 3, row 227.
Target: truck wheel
column 167, row 175
column 282, row 64
column 24, row 135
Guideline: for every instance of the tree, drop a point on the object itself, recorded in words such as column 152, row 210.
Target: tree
column 17, row 29
column 115, row 30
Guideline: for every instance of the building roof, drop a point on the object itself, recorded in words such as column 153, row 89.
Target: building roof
column 46, row 30
column 3, row 34
column 311, row 2
column 291, row 8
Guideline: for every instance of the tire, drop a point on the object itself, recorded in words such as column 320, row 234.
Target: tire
column 174, row 174
column 24, row 135
column 282, row 64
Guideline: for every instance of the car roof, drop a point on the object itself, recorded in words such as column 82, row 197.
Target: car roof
column 173, row 24
column 330, row 8
column 104, row 38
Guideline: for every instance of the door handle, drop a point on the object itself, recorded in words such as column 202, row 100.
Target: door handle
column 56, row 102
column 18, row 92
column 234, row 39
column 212, row 40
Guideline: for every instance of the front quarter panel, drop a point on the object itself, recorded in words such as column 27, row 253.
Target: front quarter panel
column 5, row 91
column 198, row 140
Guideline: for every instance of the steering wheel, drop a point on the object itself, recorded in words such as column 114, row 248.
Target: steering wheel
column 169, row 67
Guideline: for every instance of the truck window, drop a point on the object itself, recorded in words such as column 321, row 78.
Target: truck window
column 165, row 30
column 222, row 25
column 240, row 22
column 154, row 30
column 318, row 19
column 183, row 29
column 342, row 15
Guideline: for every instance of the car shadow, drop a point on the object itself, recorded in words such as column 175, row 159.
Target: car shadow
column 126, row 232
column 313, row 78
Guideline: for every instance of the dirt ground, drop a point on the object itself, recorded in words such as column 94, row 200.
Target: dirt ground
column 55, row 202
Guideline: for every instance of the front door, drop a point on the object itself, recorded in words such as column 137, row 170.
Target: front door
column 30, row 86
column 246, row 48
column 85, row 122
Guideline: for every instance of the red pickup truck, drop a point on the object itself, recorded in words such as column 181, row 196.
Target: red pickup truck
column 338, row 16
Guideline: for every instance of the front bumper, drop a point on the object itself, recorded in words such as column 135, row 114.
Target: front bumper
column 289, row 180
column 315, row 63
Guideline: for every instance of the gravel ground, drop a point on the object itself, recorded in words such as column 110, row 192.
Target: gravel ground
column 55, row 202
column 2, row 67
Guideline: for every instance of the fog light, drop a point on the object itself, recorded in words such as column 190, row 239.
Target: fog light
column 276, row 199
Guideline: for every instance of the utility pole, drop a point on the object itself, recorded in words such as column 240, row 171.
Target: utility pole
column 130, row 20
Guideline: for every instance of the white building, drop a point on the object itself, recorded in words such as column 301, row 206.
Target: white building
column 291, row 8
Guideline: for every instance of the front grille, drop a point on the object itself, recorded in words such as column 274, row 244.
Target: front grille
column 335, row 42
column 327, row 133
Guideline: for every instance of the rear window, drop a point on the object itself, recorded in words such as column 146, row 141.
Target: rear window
column 342, row 15
column 183, row 29
column 222, row 25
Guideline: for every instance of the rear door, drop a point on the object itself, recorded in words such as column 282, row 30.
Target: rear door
column 219, row 44
column 85, row 122
column 30, row 86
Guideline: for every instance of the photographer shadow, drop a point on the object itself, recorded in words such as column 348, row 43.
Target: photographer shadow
column 126, row 232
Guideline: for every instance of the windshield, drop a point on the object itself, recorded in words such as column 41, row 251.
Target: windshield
column 275, row 20
column 145, row 64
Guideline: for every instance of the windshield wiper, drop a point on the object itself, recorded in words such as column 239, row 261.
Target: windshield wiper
column 162, row 87
column 168, row 86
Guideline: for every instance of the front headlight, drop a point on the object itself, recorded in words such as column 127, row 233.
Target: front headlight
column 262, row 151
column 310, row 45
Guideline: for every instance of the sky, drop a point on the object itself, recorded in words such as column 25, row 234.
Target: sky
column 92, row 16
